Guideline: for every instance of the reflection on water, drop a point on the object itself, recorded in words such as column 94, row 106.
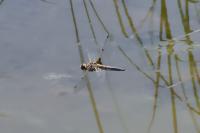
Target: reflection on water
column 44, row 43
column 164, row 73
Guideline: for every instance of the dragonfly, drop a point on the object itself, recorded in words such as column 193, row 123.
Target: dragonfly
column 96, row 65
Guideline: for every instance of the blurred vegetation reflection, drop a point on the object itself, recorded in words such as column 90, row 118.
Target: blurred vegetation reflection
column 172, row 76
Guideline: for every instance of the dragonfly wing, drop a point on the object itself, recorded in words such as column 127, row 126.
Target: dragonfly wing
column 90, row 50
column 98, row 61
column 92, row 56
column 105, row 50
column 94, row 51
column 80, row 85
column 110, row 47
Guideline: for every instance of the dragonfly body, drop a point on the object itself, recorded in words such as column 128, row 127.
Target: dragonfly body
column 97, row 65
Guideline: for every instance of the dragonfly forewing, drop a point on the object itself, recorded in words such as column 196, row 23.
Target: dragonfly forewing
column 96, row 54
column 81, row 84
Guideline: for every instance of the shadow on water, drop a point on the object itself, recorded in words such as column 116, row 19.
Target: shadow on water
column 169, row 66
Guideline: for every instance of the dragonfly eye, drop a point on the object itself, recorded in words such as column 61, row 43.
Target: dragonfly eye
column 83, row 66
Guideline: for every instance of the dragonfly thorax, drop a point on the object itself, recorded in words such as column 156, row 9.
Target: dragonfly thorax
column 91, row 66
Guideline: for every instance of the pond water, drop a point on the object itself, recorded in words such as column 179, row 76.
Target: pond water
column 43, row 43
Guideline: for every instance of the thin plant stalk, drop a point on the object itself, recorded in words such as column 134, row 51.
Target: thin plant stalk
column 149, row 14
column 135, row 65
column 165, row 24
column 157, row 82
column 90, row 22
column 195, row 91
column 189, row 108
column 135, row 32
column 173, row 102
column 146, row 74
column 98, row 17
column 116, row 105
column 192, row 63
column 131, row 24
column 92, row 99
column 120, row 18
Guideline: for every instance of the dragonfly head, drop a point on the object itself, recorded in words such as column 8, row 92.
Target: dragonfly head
column 83, row 66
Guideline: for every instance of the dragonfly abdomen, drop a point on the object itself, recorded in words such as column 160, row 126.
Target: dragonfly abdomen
column 109, row 68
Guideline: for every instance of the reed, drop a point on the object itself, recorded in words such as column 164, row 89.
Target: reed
column 190, row 109
column 90, row 22
column 98, row 17
column 156, row 92
column 159, row 80
column 149, row 15
column 90, row 91
column 107, row 41
column 194, row 73
column 120, row 18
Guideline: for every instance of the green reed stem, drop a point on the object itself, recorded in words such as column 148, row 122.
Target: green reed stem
column 145, row 74
column 90, row 22
column 120, row 19
column 91, row 95
column 130, row 21
column 189, row 107
column 185, row 19
column 196, row 95
column 173, row 103
column 164, row 23
column 196, row 70
column 74, row 22
column 98, row 17
column 116, row 105
column 135, row 32
column 157, row 82
column 135, row 65
column 148, row 15
column 180, row 77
